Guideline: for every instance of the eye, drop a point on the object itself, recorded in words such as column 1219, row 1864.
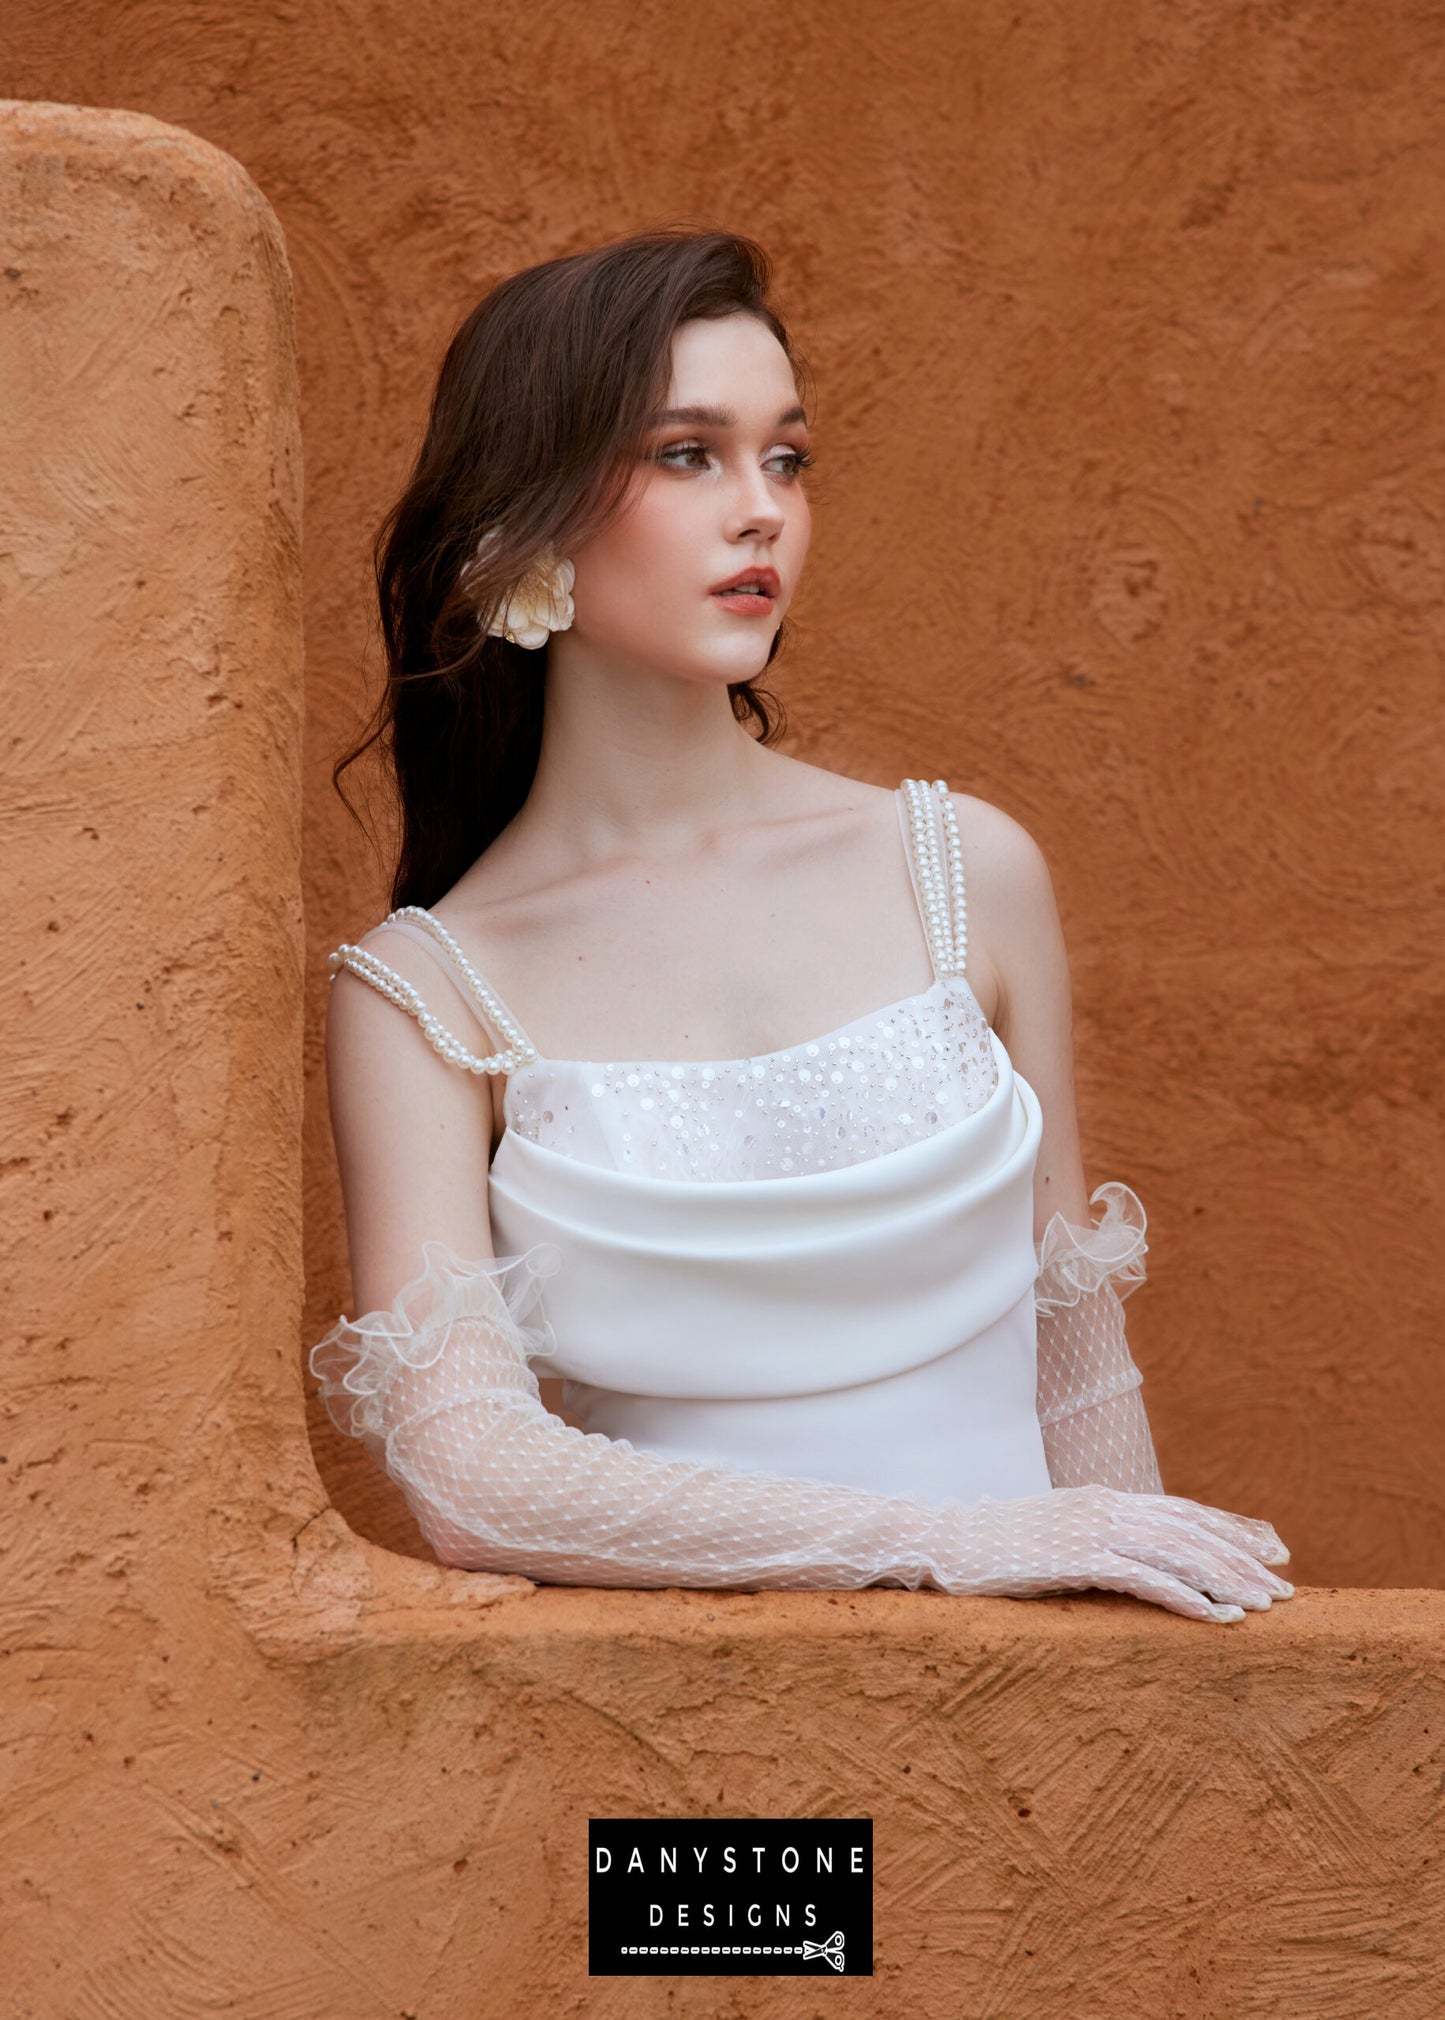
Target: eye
column 695, row 456
column 676, row 455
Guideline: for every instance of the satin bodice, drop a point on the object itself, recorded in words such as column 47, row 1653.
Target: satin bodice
column 874, row 1321
column 817, row 1262
column 874, row 1085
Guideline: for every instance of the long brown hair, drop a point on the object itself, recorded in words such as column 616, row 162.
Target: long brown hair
column 540, row 412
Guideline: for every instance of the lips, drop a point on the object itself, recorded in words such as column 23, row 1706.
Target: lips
column 765, row 580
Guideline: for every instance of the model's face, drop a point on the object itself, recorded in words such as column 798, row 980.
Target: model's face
column 718, row 492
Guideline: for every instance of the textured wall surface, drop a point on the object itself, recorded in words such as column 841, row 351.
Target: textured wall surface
column 1126, row 329
column 256, row 1764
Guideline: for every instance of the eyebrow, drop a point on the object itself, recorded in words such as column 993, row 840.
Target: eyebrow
column 717, row 417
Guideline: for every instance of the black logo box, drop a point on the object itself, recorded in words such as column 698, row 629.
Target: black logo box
column 730, row 1896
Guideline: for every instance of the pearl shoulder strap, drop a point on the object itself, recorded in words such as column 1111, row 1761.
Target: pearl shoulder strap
column 518, row 1049
column 939, row 873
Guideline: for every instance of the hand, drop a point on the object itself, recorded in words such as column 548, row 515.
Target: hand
column 1193, row 1559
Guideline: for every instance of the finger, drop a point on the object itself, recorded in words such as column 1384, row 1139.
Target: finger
column 1227, row 1546
column 1261, row 1537
column 1148, row 1582
column 1226, row 1572
column 1202, row 1556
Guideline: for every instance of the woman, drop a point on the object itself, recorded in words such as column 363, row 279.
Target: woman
column 822, row 1285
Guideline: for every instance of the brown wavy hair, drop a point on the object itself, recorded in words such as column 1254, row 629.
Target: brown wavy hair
column 540, row 412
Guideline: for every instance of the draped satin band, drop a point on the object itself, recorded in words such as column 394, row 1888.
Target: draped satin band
column 960, row 1426
column 778, row 1287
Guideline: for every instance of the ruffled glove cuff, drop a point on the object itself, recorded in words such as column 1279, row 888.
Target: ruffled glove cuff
column 1095, row 1427
column 1074, row 1260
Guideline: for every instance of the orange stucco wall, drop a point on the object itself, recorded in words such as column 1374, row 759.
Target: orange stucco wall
column 1125, row 327
column 255, row 1763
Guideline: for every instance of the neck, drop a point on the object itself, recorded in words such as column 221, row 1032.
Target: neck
column 635, row 763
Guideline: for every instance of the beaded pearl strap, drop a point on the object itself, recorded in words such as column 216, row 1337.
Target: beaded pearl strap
column 944, row 903
column 519, row 1049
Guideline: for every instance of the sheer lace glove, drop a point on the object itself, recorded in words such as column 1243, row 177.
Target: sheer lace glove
column 1184, row 1555
column 1094, row 1424
column 440, row 1390
column 1095, row 1427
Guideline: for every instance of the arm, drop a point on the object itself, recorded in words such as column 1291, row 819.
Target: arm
column 1094, row 1424
column 1090, row 1410
column 438, row 1383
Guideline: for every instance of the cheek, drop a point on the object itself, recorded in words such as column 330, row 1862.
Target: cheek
column 652, row 542
column 800, row 528
column 659, row 532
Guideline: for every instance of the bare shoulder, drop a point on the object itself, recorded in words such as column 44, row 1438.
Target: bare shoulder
column 1003, row 857
column 367, row 1031
column 413, row 1130
column 1011, row 894
column 1015, row 940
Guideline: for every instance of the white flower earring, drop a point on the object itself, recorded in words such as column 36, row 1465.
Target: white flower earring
column 537, row 605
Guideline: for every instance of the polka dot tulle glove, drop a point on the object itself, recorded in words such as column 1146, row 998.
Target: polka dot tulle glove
column 1193, row 1559
column 440, row 1389
column 1096, row 1431
column 1095, row 1428
column 1101, row 1454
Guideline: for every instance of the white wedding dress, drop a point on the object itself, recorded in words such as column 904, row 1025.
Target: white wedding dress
column 818, row 1263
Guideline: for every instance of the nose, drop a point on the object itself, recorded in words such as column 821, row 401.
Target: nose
column 755, row 509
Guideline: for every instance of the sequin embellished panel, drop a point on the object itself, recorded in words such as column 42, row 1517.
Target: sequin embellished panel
column 883, row 1081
